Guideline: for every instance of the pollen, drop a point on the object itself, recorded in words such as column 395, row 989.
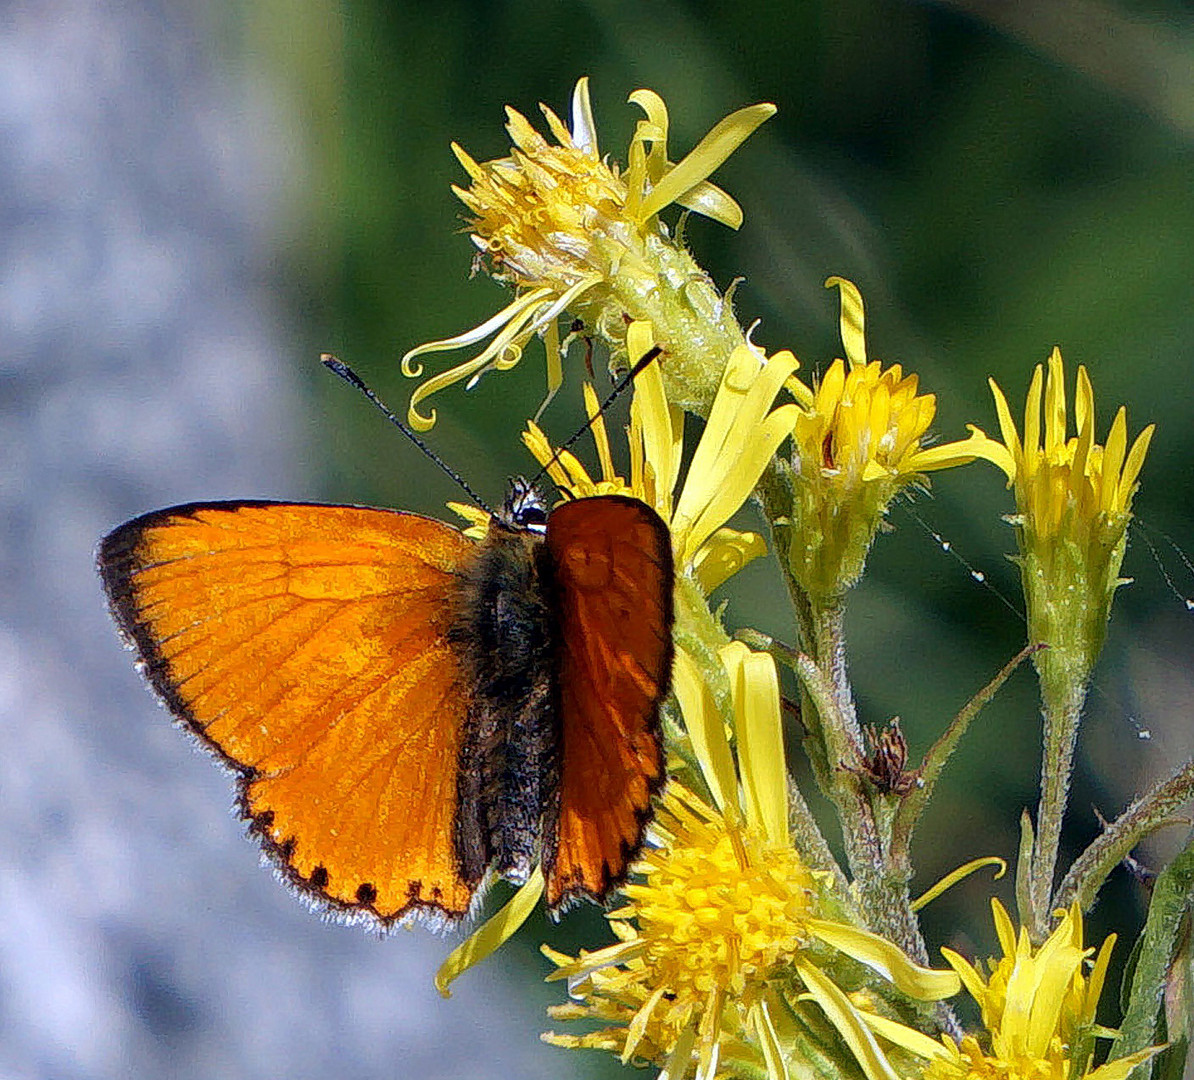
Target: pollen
column 717, row 915
column 719, row 909
column 537, row 216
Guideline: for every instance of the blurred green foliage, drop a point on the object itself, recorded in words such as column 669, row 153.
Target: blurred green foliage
column 996, row 178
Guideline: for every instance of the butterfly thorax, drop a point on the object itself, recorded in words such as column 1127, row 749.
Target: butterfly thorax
column 503, row 628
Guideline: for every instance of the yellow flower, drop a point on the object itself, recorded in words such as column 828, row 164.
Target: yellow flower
column 859, row 442
column 1038, row 1011
column 1069, row 482
column 725, row 945
column 1073, row 505
column 718, row 913
column 570, row 231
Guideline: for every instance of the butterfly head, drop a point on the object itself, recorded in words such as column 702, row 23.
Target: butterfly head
column 523, row 509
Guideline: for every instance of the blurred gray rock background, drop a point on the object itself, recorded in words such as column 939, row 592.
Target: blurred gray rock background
column 144, row 361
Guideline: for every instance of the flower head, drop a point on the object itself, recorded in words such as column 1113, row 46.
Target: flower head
column 858, row 443
column 569, row 230
column 725, row 934
column 718, row 913
column 1037, row 1001
column 1038, row 1010
column 1073, row 505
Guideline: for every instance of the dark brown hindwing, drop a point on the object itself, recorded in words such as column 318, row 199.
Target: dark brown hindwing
column 613, row 580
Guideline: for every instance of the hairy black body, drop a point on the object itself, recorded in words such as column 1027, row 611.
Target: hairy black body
column 505, row 628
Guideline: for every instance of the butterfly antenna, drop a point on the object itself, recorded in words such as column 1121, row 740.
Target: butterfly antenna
column 338, row 367
column 627, row 381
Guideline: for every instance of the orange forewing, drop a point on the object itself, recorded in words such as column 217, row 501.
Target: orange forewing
column 307, row 645
column 612, row 558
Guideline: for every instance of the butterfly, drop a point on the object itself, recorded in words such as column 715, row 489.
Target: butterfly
column 411, row 713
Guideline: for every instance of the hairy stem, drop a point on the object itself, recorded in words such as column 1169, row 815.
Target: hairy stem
column 1147, row 814
column 1063, row 699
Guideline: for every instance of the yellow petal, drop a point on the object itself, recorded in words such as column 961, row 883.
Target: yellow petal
column 735, row 478
column 1094, row 981
column 969, row 975
column 638, row 1025
column 710, row 201
column 1084, row 413
column 478, row 333
column 725, row 553
column 742, row 369
column 908, row 1038
column 470, row 166
column 845, row 1018
column 759, row 728
column 759, row 1017
column 1121, row 1068
column 709, row 1032
column 1132, row 465
column 886, row 958
column 584, row 127
column 588, row 962
column 804, row 395
column 1032, row 421
column 556, row 126
column 706, row 729
column 1055, row 422
column 1007, row 428
column 1004, row 929
column 600, row 436
column 502, row 352
column 491, row 934
column 1113, row 460
column 521, row 133
column 960, row 874
column 722, row 140
column 655, row 108
column 661, row 426
column 645, row 166
column 947, row 455
column 477, row 518
column 680, row 1057
column 852, row 320
column 829, row 392
column 555, row 364
column 740, row 437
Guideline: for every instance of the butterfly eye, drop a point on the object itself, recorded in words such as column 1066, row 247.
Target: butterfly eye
column 531, row 516
column 524, row 507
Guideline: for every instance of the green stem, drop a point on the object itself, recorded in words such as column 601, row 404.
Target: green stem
column 829, row 651
column 882, row 886
column 834, row 739
column 1063, row 693
column 775, row 495
column 1147, row 814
